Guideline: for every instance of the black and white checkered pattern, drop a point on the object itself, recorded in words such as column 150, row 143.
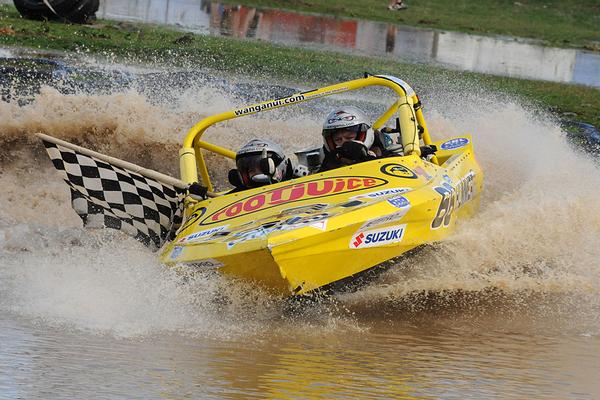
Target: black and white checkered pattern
column 105, row 195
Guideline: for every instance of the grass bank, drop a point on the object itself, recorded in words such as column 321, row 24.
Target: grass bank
column 155, row 44
column 558, row 23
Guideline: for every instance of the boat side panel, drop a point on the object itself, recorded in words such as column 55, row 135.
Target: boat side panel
column 453, row 193
column 303, row 229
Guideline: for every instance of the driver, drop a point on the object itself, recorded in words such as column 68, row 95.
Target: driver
column 260, row 162
column 347, row 138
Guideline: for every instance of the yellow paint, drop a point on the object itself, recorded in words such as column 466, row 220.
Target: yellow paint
column 297, row 236
column 402, row 90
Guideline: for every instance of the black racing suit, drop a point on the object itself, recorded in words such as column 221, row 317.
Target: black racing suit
column 337, row 158
column 351, row 153
column 341, row 157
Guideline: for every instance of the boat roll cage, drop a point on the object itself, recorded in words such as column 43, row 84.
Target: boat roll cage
column 407, row 108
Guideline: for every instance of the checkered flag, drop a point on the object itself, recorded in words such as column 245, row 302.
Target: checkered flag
column 105, row 195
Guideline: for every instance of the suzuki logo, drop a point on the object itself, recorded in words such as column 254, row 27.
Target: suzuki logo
column 358, row 240
column 378, row 237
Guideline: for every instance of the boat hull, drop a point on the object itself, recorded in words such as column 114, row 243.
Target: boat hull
column 297, row 236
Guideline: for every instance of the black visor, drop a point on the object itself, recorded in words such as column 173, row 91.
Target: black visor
column 354, row 128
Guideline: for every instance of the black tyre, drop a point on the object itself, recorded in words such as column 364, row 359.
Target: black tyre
column 77, row 11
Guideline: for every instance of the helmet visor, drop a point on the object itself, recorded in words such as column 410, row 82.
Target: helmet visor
column 354, row 128
column 249, row 168
column 336, row 137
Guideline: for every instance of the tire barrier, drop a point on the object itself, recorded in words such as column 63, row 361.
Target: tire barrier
column 75, row 11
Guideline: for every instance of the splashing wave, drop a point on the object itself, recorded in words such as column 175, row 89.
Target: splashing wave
column 536, row 234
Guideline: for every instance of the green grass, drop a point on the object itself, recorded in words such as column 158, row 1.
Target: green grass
column 154, row 44
column 573, row 23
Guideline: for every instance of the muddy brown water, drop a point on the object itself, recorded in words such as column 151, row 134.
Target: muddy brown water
column 507, row 308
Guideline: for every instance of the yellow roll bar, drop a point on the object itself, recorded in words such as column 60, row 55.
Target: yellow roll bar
column 191, row 159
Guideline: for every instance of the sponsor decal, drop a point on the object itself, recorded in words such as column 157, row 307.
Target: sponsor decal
column 422, row 172
column 202, row 235
column 269, row 105
column 399, row 202
column 384, row 192
column 398, row 170
column 299, row 222
column 321, row 225
column 196, row 215
column 351, row 203
column 317, row 188
column 456, row 143
column 248, row 235
column 339, row 116
column 209, row 263
column 310, row 209
column 318, row 221
column 386, row 219
column 325, row 93
column 377, row 237
column 176, row 252
column 453, row 197
column 254, row 146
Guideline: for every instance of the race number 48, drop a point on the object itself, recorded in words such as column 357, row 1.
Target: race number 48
column 453, row 197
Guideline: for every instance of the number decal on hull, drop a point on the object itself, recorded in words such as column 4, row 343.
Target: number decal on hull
column 453, row 197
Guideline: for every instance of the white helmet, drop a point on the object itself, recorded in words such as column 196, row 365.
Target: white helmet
column 261, row 162
column 347, row 118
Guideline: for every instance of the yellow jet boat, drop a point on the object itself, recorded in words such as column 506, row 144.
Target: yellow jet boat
column 295, row 236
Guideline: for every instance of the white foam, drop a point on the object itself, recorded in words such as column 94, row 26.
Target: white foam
column 537, row 230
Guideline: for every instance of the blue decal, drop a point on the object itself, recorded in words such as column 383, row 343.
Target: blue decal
column 455, row 143
column 384, row 236
column 399, row 202
column 176, row 252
